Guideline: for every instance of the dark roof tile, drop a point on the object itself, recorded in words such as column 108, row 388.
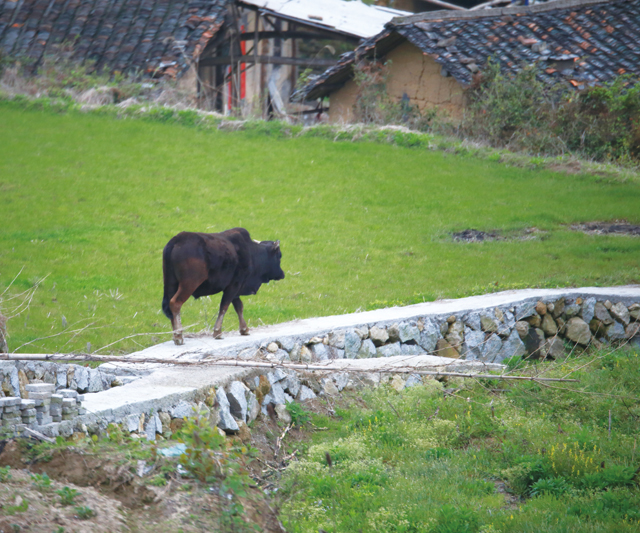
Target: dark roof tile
column 125, row 35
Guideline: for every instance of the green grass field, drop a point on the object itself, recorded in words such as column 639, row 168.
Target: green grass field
column 495, row 457
column 89, row 202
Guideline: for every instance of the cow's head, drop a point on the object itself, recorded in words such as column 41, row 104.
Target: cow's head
column 273, row 271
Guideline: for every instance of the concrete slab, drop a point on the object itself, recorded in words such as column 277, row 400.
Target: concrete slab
column 161, row 387
column 198, row 347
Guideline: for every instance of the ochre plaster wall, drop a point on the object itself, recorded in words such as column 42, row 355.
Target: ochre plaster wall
column 342, row 102
column 411, row 72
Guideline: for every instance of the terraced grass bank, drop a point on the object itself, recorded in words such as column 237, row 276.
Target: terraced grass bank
column 478, row 457
column 89, row 202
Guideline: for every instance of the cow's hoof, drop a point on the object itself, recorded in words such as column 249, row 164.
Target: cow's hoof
column 244, row 331
column 179, row 341
column 217, row 334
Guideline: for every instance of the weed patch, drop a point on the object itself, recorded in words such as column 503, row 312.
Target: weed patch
column 439, row 467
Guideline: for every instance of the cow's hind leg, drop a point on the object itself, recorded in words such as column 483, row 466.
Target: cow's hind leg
column 227, row 297
column 237, row 305
column 185, row 289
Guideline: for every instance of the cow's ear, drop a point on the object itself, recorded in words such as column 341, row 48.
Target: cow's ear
column 276, row 246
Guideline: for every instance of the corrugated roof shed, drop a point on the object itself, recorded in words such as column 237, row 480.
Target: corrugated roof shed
column 350, row 18
column 152, row 36
column 583, row 41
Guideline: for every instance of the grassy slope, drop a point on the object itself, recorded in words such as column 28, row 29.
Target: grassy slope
column 90, row 201
column 422, row 462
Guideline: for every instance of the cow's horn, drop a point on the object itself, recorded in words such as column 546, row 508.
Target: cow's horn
column 256, row 241
column 276, row 245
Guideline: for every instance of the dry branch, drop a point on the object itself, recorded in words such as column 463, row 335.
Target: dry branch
column 262, row 364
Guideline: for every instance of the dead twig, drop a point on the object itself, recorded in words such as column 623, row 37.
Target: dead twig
column 394, row 410
column 279, row 441
column 264, row 364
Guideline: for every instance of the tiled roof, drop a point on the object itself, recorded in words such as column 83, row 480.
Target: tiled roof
column 157, row 37
column 582, row 41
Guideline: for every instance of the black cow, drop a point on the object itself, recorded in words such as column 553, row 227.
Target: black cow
column 201, row 264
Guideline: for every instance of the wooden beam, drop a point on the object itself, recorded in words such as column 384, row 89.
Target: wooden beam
column 247, row 36
column 446, row 5
column 295, row 61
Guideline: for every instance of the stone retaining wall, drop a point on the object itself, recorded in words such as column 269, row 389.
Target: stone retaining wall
column 538, row 328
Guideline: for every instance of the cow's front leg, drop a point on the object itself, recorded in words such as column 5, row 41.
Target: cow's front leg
column 237, row 305
column 176, row 324
column 224, row 305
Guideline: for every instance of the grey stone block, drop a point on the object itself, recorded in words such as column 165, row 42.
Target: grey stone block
column 61, row 377
column 511, row 347
column 492, row 347
column 429, row 335
column 525, row 310
column 82, row 378
column 227, row 422
column 253, row 407
column 411, row 349
column 40, row 387
column 352, row 343
column 472, row 320
column 367, row 349
column 413, row 380
column 408, row 331
column 306, row 394
column 337, row 339
column 39, row 395
column 588, row 309
column 237, row 400
column 291, row 384
column 95, row 380
column 320, row 352
column 183, row 409
column 341, row 379
column 277, row 375
column 473, row 344
column 389, row 350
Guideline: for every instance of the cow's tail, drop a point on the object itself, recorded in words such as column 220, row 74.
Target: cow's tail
column 170, row 280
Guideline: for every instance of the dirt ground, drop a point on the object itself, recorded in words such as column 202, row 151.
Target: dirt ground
column 474, row 235
column 608, row 228
column 163, row 499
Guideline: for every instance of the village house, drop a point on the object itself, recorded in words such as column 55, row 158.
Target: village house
column 241, row 55
column 433, row 57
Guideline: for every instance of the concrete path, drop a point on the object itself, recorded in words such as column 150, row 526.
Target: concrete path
column 163, row 385
column 199, row 347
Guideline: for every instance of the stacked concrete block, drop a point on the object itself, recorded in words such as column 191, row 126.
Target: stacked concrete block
column 71, row 404
column 41, row 393
column 55, row 409
column 10, row 411
column 28, row 412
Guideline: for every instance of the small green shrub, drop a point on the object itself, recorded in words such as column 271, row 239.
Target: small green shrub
column 553, row 486
column 299, row 415
column 456, row 519
column 41, row 481
column 610, row 477
column 520, row 111
column 84, row 512
column 67, row 495
column 10, row 510
column 5, row 474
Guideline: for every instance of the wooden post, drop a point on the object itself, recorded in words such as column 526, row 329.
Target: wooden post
column 4, row 347
column 256, row 61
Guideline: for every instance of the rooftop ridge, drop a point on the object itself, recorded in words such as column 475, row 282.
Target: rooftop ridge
column 442, row 15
